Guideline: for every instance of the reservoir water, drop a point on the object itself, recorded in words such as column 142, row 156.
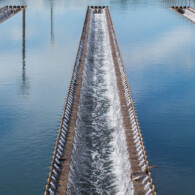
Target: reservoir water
column 37, row 54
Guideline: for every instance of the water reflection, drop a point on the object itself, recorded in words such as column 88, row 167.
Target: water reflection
column 51, row 22
column 157, row 47
column 25, row 82
column 179, row 2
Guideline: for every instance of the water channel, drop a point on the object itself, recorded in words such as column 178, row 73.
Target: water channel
column 37, row 53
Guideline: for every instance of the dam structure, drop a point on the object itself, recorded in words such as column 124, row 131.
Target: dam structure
column 186, row 11
column 8, row 11
column 99, row 148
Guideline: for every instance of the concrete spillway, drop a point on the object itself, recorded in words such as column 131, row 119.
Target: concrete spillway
column 99, row 149
column 187, row 12
column 8, row 11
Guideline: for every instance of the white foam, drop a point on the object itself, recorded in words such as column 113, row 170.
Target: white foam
column 117, row 162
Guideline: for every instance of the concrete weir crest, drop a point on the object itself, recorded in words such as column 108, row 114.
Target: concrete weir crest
column 8, row 11
column 99, row 150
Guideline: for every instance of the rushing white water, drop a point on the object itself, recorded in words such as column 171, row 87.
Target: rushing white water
column 100, row 161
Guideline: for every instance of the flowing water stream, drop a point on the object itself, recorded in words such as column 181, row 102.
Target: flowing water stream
column 37, row 54
column 100, row 162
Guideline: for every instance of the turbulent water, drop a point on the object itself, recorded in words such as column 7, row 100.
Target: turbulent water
column 100, row 162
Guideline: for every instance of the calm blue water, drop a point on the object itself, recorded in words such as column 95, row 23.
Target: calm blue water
column 157, row 46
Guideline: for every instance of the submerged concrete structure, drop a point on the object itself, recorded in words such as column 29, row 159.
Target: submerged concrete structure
column 99, row 148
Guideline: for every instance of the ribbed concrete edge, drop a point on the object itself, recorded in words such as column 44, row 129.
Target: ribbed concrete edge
column 175, row 8
column 59, row 169
column 140, row 173
column 16, row 8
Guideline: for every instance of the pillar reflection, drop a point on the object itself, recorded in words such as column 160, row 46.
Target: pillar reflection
column 51, row 23
column 25, row 83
